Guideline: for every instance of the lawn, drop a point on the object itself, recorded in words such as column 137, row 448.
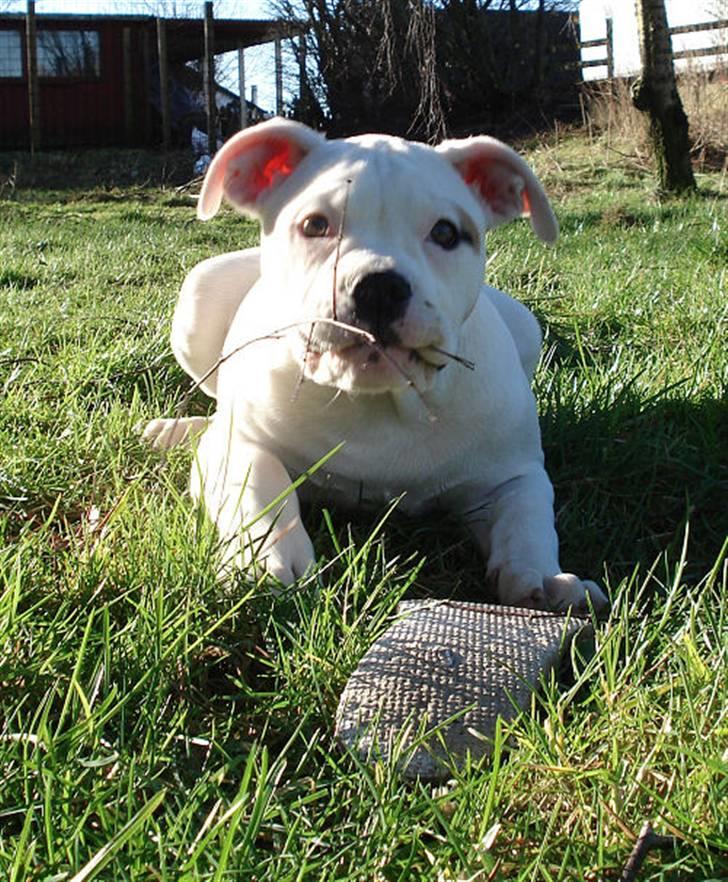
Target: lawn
column 157, row 726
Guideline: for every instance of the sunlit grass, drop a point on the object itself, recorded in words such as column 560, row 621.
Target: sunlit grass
column 155, row 725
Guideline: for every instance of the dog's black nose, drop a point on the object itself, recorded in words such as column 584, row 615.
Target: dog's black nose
column 379, row 300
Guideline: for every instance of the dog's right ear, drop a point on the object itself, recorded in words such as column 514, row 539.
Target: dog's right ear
column 253, row 163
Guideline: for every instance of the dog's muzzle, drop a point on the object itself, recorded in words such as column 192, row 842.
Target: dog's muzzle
column 365, row 346
column 378, row 301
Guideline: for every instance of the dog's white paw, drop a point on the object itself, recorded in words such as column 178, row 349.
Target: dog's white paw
column 528, row 588
column 566, row 591
column 516, row 586
column 286, row 555
column 287, row 571
column 162, row 434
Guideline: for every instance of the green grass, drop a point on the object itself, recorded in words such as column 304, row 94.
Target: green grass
column 154, row 725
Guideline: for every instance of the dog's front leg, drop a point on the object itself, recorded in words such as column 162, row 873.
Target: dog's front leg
column 247, row 492
column 515, row 529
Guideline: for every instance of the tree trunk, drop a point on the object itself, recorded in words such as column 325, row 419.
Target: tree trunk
column 655, row 93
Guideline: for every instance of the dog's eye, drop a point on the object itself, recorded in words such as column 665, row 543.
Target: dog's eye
column 315, row 226
column 445, row 234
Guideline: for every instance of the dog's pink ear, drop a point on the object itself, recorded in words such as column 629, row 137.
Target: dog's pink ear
column 253, row 163
column 503, row 182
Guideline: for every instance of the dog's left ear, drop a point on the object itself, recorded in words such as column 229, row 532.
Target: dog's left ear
column 249, row 167
column 503, row 182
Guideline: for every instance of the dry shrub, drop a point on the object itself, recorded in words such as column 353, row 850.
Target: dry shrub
column 608, row 110
column 705, row 98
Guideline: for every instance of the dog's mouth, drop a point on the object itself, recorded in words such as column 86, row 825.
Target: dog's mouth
column 368, row 354
column 353, row 359
column 373, row 366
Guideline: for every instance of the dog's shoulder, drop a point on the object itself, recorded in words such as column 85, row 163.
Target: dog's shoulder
column 210, row 297
column 520, row 323
column 231, row 274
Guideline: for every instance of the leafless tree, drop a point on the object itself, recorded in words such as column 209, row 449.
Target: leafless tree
column 370, row 63
column 407, row 66
column 655, row 92
column 719, row 8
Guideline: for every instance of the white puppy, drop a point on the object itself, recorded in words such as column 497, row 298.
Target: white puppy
column 361, row 325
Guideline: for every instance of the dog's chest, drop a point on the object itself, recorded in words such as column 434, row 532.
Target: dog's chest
column 384, row 447
column 468, row 427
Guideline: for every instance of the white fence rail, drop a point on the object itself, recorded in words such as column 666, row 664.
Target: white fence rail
column 607, row 43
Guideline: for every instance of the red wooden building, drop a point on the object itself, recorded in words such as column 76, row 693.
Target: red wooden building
column 99, row 79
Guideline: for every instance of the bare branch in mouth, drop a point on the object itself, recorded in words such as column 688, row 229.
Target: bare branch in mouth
column 366, row 337
column 465, row 362
column 301, row 374
column 339, row 238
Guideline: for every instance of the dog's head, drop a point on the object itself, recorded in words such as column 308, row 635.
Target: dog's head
column 372, row 247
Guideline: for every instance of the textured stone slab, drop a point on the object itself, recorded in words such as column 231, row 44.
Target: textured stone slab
column 443, row 659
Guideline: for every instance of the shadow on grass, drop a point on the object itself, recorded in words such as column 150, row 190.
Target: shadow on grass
column 629, row 476
column 92, row 169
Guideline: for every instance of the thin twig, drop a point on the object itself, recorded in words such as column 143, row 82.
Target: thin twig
column 334, row 283
column 278, row 333
column 339, row 238
column 465, row 362
column 302, row 372
column 646, row 841
column 634, row 161
column 273, row 335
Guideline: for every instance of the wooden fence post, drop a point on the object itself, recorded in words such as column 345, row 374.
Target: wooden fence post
column 163, row 81
column 279, row 77
column 31, row 43
column 210, row 78
column 610, row 49
column 128, row 96
column 148, row 77
column 241, row 87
